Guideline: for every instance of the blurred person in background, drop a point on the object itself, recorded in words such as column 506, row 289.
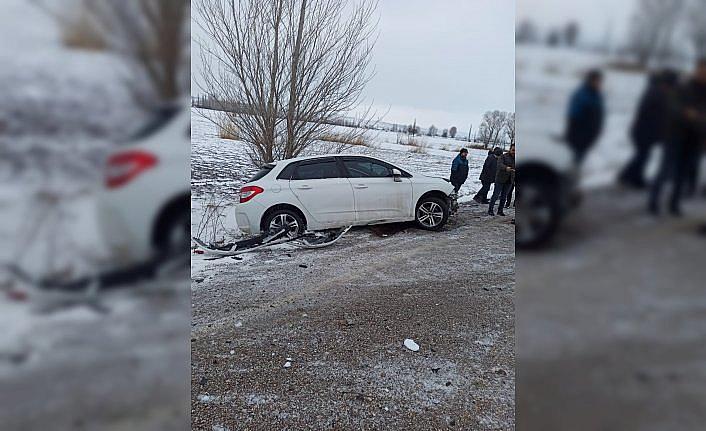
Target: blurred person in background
column 487, row 175
column 696, row 135
column 585, row 115
column 649, row 125
column 459, row 170
column 504, row 178
column 685, row 135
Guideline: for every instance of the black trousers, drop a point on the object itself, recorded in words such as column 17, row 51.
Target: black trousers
column 483, row 192
column 500, row 190
column 672, row 169
column 634, row 170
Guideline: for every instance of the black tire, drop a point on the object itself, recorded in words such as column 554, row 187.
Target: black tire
column 173, row 234
column 289, row 219
column 432, row 213
column 538, row 214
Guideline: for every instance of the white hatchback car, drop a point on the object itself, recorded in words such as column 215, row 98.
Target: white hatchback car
column 324, row 192
column 144, row 207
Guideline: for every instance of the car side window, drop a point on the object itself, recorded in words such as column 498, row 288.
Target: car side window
column 317, row 171
column 367, row 168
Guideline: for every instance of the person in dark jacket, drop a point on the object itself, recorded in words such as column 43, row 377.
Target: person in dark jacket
column 504, row 178
column 685, row 134
column 585, row 116
column 649, row 125
column 459, row 170
column 487, row 175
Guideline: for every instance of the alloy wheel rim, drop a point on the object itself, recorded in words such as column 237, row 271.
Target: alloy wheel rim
column 285, row 221
column 430, row 214
column 534, row 217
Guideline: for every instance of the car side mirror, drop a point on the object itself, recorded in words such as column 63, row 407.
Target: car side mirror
column 397, row 175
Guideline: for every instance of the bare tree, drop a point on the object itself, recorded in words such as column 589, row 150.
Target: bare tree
column 445, row 133
column 571, row 33
column 493, row 127
column 433, row 131
column 452, row 132
column 526, row 32
column 510, row 127
column 153, row 37
column 294, row 67
column 652, row 30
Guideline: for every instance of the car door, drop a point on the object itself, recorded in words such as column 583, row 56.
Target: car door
column 323, row 191
column 378, row 197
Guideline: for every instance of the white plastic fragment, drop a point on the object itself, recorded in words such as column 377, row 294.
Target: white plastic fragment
column 411, row 345
column 287, row 364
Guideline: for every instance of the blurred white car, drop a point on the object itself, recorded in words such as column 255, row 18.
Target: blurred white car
column 144, row 208
column 322, row 192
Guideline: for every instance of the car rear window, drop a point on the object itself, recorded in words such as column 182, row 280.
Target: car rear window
column 317, row 170
column 264, row 170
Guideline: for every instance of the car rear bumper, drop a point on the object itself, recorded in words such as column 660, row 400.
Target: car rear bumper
column 248, row 217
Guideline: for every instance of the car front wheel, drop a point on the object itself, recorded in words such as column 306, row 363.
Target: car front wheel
column 538, row 214
column 432, row 213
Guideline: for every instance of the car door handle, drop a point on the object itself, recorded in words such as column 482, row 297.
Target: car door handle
column 304, row 187
column 360, row 186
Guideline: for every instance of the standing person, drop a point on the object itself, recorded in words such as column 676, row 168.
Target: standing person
column 487, row 175
column 649, row 125
column 687, row 128
column 504, row 178
column 459, row 170
column 585, row 116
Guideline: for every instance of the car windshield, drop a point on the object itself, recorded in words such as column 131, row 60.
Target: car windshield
column 264, row 170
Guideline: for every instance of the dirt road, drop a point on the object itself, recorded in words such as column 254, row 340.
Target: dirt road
column 610, row 322
column 339, row 317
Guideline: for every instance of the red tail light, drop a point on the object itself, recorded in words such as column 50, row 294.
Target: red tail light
column 124, row 167
column 249, row 192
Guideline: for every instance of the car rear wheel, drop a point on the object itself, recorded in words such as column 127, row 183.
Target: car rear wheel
column 174, row 236
column 285, row 219
column 538, row 214
column 432, row 213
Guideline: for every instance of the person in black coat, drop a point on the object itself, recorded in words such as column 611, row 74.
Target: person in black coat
column 685, row 134
column 649, row 126
column 487, row 175
column 585, row 116
column 459, row 170
column 504, row 178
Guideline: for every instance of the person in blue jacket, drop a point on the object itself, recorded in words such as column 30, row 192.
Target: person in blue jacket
column 459, row 170
column 585, row 116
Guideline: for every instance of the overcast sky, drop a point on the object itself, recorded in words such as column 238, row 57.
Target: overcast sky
column 443, row 62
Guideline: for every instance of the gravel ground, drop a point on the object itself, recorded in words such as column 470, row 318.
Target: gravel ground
column 610, row 321
column 340, row 318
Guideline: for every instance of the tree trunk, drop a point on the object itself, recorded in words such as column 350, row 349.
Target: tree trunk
column 291, row 114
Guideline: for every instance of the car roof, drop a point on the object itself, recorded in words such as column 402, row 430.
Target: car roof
column 324, row 156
